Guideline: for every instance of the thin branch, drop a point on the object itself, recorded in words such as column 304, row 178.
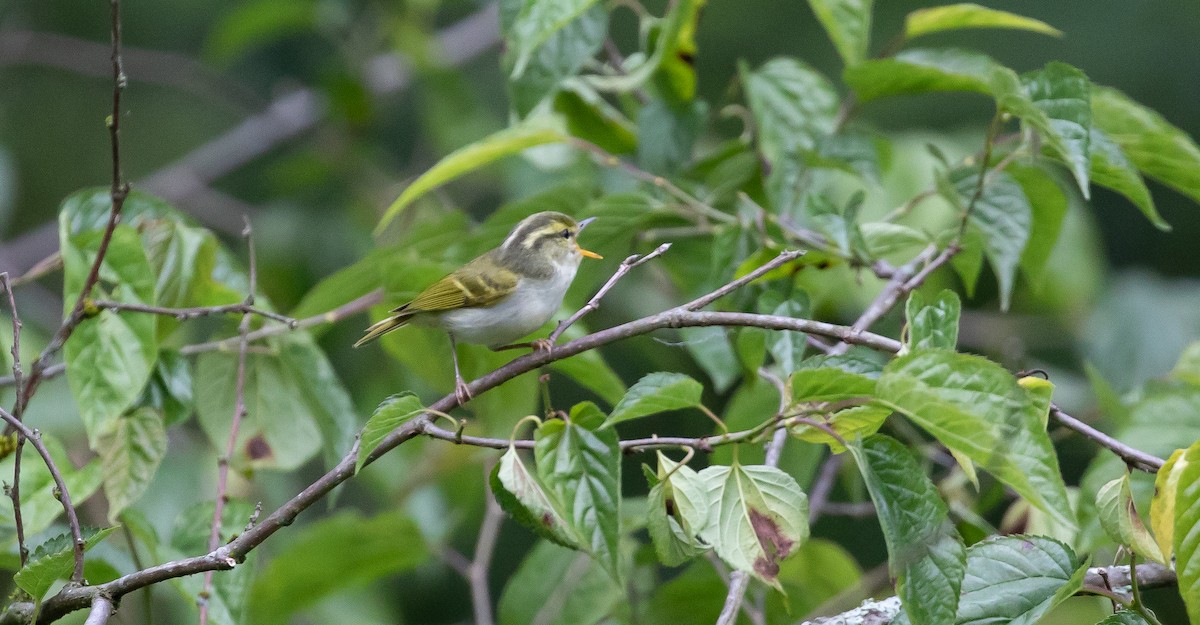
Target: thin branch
column 897, row 287
column 485, row 547
column 14, row 491
column 239, row 411
column 102, row 608
column 60, row 487
column 1135, row 458
column 626, row 266
column 782, row 259
column 702, row 211
column 183, row 314
column 818, row 498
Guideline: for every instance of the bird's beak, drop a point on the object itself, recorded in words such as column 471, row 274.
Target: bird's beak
column 590, row 254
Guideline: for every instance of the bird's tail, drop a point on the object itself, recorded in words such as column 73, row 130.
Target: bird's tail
column 383, row 327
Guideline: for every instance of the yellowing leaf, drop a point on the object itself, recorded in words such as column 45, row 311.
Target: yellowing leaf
column 1121, row 521
column 1162, row 506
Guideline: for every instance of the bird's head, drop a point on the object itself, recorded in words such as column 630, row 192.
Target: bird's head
column 547, row 237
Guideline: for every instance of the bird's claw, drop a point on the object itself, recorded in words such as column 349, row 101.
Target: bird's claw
column 461, row 392
column 542, row 345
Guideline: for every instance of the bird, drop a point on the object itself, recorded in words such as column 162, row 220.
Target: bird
column 503, row 294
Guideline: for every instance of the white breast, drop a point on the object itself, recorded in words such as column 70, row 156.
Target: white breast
column 525, row 310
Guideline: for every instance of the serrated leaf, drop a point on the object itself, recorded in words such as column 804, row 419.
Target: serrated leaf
column 829, row 384
column 1063, row 93
column 932, row 324
column 857, row 360
column 391, row 413
column 1162, row 505
column 1120, row 519
column 975, row 407
column 1187, row 532
column 925, row 552
column 923, row 70
column 848, row 23
column 1124, row 617
column 302, row 573
column 1017, row 579
column 794, row 106
column 677, row 510
column 131, row 452
column 656, row 392
column 55, row 559
column 759, row 517
column 561, row 56
column 538, row 21
column 1004, row 217
column 521, row 495
column 467, row 159
column 967, row 15
column 1155, row 146
column 579, row 462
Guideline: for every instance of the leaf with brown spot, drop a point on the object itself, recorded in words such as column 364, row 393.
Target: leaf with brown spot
column 759, row 517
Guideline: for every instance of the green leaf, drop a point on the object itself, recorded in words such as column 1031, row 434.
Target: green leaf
column 676, row 75
column 109, row 356
column 656, row 392
column 279, row 428
column 169, row 391
column 467, row 159
column 923, row 70
column 524, row 498
column 1121, row 521
column 667, row 132
column 193, row 526
column 966, row 15
column 925, row 552
column 590, row 370
column 712, row 352
column 1162, row 505
column 131, row 452
column 759, row 517
column 1157, row 148
column 538, row 21
column 794, row 106
column 787, row 348
column 850, row 423
column 54, row 560
column 319, row 386
column 560, row 57
column 932, row 325
column 968, row 263
column 303, row 573
column 1017, row 579
column 1049, row 207
column 391, row 413
column 1109, row 167
column 885, row 239
column 678, row 508
column 1063, row 93
column 848, row 23
column 591, row 118
column 829, row 384
column 580, row 465
column 840, row 225
column 1187, row 532
column 976, row 408
column 555, row 585
column 1004, row 217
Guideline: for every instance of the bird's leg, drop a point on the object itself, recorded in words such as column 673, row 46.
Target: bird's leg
column 537, row 345
column 461, row 392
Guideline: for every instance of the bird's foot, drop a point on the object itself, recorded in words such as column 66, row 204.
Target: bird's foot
column 461, row 392
column 542, row 345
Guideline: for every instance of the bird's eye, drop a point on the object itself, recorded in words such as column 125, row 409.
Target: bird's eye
column 566, row 234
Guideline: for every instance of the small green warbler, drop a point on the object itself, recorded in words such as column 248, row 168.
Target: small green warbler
column 502, row 295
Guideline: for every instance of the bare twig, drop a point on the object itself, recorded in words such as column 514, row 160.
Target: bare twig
column 184, row 314
column 60, row 487
column 239, row 411
column 897, row 287
column 102, row 608
column 818, row 498
column 481, row 563
column 626, row 266
column 14, row 491
column 1135, row 458
column 782, row 259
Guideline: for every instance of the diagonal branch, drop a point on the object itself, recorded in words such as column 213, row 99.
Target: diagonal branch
column 626, row 266
column 184, row 314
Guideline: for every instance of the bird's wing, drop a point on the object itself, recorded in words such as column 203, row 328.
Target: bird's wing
column 469, row 287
